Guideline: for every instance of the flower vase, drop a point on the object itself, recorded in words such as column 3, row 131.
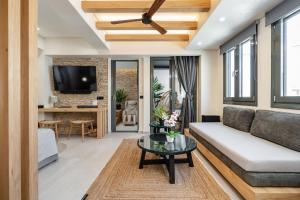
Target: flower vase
column 170, row 139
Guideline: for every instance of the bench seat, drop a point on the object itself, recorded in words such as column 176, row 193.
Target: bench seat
column 257, row 161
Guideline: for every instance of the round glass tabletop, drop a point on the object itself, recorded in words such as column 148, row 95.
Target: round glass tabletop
column 157, row 143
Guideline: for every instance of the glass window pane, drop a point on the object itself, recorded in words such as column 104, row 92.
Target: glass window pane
column 291, row 71
column 245, row 69
column 230, row 73
column 161, row 84
column 180, row 94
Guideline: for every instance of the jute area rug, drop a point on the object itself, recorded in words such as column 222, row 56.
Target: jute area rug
column 122, row 179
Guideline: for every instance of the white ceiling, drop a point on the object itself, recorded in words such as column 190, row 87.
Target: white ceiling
column 65, row 18
column 59, row 18
column 238, row 13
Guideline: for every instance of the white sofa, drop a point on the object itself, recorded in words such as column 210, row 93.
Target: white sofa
column 47, row 147
column 258, row 152
column 249, row 152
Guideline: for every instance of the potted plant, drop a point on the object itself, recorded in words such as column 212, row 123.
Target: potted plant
column 157, row 89
column 171, row 123
column 160, row 114
column 121, row 95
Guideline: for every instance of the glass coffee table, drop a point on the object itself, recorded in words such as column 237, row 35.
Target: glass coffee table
column 157, row 144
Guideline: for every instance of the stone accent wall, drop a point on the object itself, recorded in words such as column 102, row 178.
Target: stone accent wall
column 101, row 64
column 102, row 80
column 127, row 79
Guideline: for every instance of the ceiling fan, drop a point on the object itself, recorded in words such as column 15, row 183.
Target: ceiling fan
column 147, row 17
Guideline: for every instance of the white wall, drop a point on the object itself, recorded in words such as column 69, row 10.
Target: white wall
column 141, row 93
column 147, row 93
column 211, row 83
column 68, row 46
column 214, row 77
column 44, row 63
column 79, row 46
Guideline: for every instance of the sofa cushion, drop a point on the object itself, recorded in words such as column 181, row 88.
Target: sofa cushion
column 249, row 152
column 278, row 127
column 238, row 118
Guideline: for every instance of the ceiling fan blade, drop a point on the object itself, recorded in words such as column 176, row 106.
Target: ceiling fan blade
column 158, row 28
column 155, row 6
column 125, row 21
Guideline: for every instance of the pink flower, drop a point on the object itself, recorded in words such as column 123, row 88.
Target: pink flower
column 171, row 122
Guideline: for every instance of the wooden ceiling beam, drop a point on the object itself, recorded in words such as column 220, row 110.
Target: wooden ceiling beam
column 146, row 37
column 143, row 6
column 169, row 25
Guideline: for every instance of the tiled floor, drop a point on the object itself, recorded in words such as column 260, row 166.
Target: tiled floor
column 122, row 127
column 80, row 162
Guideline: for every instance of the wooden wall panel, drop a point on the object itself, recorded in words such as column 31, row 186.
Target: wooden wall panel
column 10, row 167
column 29, row 99
column 4, row 179
column 18, row 108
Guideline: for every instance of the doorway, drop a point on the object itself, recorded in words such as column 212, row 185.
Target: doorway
column 166, row 88
column 124, row 90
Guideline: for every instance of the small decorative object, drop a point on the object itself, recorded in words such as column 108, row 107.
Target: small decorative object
column 160, row 114
column 121, row 96
column 171, row 135
column 53, row 100
column 171, row 123
column 99, row 100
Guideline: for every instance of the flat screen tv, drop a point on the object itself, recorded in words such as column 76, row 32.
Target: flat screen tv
column 74, row 79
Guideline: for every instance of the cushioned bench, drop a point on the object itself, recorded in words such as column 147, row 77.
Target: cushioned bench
column 258, row 161
column 258, row 152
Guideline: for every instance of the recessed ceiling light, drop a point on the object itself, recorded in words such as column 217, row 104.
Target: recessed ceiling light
column 38, row 29
column 199, row 43
column 222, row 19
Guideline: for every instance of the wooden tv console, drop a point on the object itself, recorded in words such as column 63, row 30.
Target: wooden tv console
column 247, row 191
column 101, row 116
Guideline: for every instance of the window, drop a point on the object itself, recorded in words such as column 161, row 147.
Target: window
column 245, row 69
column 230, row 73
column 286, row 62
column 240, row 73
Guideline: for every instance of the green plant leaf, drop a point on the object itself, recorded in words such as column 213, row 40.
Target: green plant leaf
column 159, row 112
column 121, row 95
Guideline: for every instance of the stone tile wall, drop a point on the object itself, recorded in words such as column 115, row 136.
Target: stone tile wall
column 127, row 79
column 101, row 64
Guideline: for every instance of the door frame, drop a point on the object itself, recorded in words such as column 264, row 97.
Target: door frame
column 172, row 84
column 171, row 77
column 113, row 90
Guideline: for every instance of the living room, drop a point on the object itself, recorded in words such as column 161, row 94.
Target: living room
column 190, row 100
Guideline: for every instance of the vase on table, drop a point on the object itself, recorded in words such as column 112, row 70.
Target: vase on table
column 170, row 139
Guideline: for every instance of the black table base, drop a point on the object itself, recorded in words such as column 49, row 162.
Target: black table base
column 157, row 129
column 169, row 161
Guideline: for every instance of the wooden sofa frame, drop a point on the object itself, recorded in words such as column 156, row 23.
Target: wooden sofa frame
column 247, row 191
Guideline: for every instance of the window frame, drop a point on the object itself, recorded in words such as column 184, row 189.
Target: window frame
column 237, row 99
column 278, row 63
